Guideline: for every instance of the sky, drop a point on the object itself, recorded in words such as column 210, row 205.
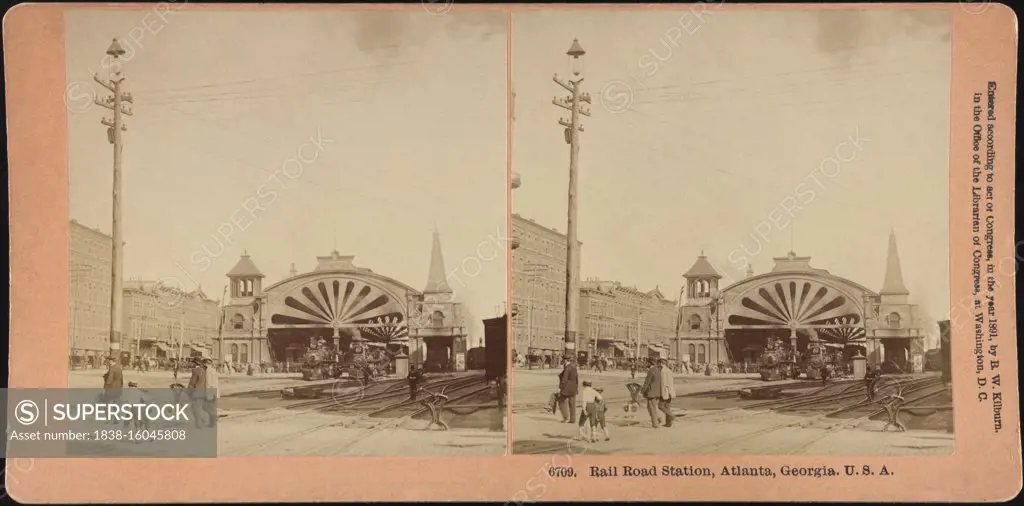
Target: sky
column 399, row 120
column 743, row 135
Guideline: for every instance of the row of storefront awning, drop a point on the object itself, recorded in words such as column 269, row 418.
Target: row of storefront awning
column 653, row 349
column 542, row 352
column 201, row 349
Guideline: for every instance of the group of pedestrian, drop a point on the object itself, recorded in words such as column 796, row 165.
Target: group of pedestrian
column 203, row 389
column 658, row 390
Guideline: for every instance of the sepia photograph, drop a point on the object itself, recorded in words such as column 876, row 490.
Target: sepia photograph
column 301, row 209
column 731, row 232
column 514, row 253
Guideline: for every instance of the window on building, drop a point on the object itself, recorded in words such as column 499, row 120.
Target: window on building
column 237, row 321
column 244, row 354
column 692, row 351
column 701, row 354
column 894, row 320
column 234, row 352
column 695, row 322
column 437, row 319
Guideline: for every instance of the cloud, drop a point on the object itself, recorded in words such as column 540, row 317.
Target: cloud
column 391, row 33
column 843, row 34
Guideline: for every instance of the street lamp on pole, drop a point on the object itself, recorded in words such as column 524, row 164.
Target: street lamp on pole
column 572, row 130
column 115, row 127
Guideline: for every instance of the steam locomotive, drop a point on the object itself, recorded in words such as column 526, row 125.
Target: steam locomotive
column 323, row 362
column 780, row 362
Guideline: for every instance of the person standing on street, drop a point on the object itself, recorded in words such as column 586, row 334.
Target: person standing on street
column 658, row 389
column 568, row 387
column 589, row 398
column 212, row 391
column 113, row 382
column 415, row 377
column 197, row 393
column 869, row 377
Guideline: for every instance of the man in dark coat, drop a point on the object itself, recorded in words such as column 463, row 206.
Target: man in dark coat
column 568, row 387
column 869, row 377
column 113, row 379
column 113, row 382
column 415, row 377
column 659, row 390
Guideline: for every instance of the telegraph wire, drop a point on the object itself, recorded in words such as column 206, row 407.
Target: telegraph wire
column 271, row 78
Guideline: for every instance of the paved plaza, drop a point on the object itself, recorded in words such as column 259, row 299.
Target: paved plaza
column 702, row 431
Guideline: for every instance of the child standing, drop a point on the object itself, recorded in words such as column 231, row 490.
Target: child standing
column 135, row 395
column 590, row 400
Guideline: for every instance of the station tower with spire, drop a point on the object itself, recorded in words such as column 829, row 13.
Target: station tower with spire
column 893, row 326
column 437, row 328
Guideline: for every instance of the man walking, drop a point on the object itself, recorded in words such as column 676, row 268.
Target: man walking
column 659, row 389
column 197, row 393
column 415, row 377
column 212, row 391
column 568, row 387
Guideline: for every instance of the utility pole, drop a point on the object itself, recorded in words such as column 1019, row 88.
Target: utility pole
column 639, row 325
column 181, row 335
column 115, row 127
column 220, row 325
column 572, row 130
column 679, row 324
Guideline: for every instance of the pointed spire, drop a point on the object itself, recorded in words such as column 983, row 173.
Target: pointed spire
column 750, row 270
column 893, row 284
column 437, row 277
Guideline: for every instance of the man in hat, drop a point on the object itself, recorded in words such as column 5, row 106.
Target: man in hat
column 568, row 387
column 113, row 382
column 212, row 391
column 197, row 392
column 415, row 377
column 659, row 389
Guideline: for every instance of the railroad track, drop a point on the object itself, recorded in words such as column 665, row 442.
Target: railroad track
column 366, row 412
column 862, row 409
column 289, row 409
column 455, row 393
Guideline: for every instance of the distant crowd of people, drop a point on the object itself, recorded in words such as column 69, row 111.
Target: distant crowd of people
column 601, row 363
column 202, row 391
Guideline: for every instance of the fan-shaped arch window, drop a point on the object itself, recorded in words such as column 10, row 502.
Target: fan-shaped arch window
column 237, row 321
column 894, row 320
column 695, row 322
column 437, row 319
